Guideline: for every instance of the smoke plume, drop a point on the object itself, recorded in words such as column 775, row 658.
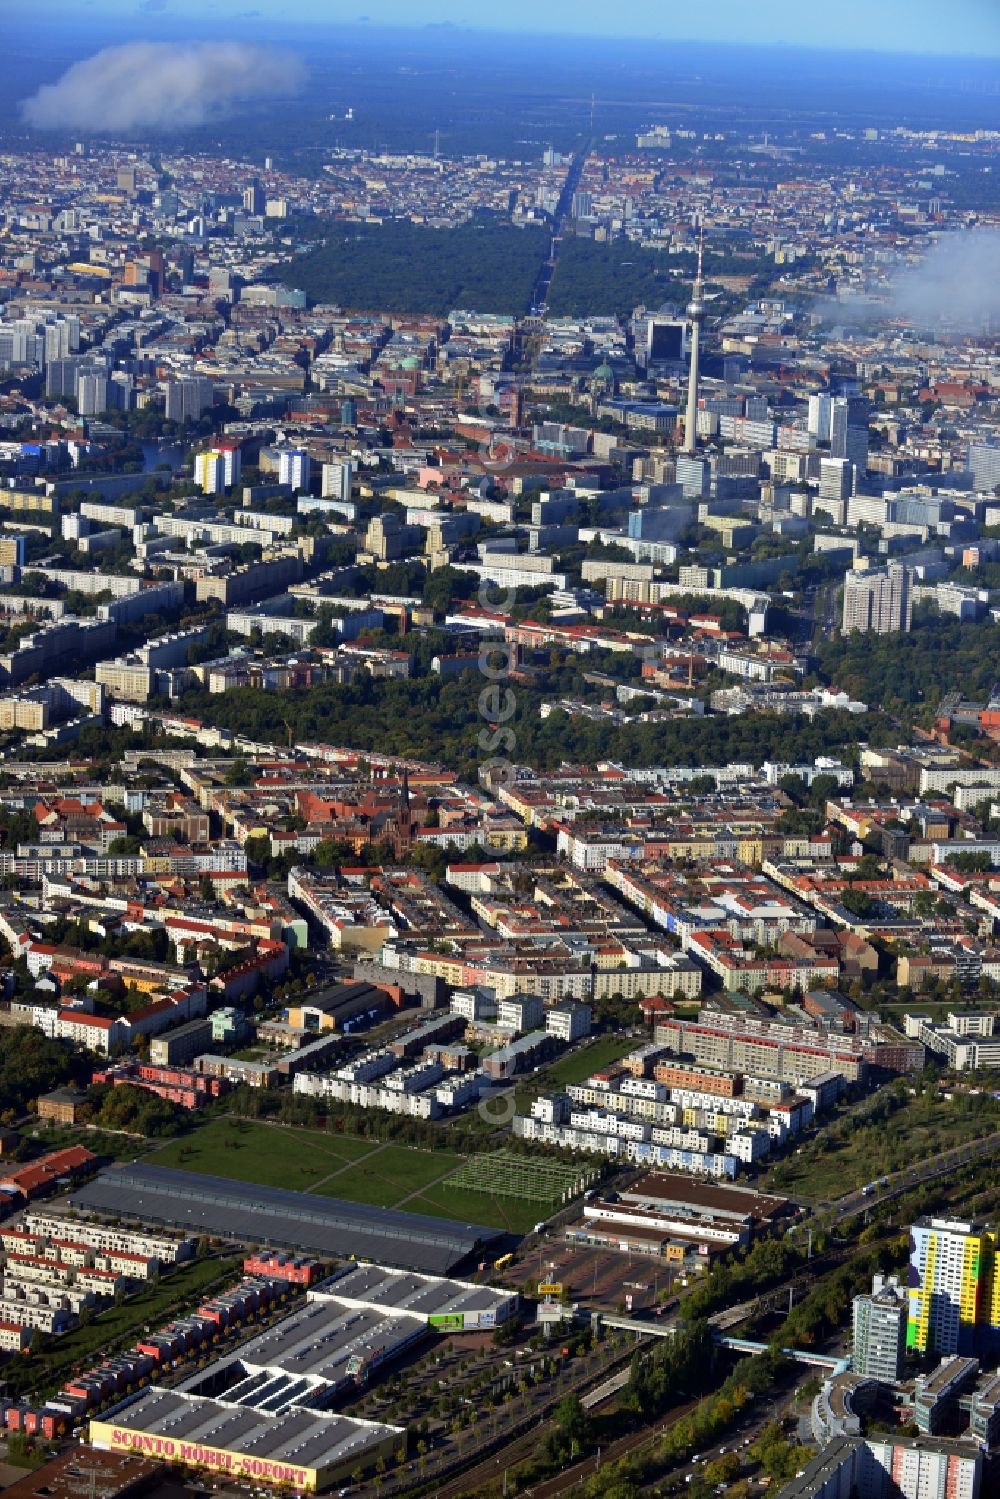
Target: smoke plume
column 956, row 285
column 161, row 86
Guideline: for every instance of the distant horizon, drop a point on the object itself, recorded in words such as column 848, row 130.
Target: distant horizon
column 979, row 42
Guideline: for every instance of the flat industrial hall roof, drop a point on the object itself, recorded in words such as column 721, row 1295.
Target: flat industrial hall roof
column 666, row 1187
column 374, row 1285
column 214, row 1205
column 319, row 1340
column 305, row 1438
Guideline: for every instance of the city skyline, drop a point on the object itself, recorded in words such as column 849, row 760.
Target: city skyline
column 499, row 752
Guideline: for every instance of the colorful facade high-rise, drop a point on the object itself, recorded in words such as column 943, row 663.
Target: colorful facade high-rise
column 953, row 1290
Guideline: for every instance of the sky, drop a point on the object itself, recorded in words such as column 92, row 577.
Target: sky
column 962, row 27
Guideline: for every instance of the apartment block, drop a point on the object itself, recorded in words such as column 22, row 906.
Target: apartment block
column 954, row 1291
column 880, row 601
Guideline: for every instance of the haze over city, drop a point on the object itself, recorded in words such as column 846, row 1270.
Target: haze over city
column 969, row 27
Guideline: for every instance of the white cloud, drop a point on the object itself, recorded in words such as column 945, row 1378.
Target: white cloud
column 955, row 283
column 161, row 86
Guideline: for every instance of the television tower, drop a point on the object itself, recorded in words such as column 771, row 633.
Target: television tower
column 696, row 316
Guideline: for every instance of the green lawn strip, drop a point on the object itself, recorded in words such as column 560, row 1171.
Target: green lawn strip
column 576, row 1067
column 579, row 1065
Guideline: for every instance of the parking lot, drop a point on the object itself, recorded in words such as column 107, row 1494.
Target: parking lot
column 599, row 1279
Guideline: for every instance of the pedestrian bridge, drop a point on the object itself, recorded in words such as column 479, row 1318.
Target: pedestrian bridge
column 800, row 1355
column 655, row 1329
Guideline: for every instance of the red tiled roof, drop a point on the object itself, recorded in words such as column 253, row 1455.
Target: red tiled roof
column 43, row 1172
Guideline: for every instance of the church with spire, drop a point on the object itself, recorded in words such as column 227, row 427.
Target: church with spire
column 402, row 827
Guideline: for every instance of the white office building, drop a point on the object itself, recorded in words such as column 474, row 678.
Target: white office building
column 337, row 481
column 294, row 468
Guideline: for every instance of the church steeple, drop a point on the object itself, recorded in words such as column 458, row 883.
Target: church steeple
column 403, row 836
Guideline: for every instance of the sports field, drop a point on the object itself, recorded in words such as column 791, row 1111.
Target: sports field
column 479, row 1189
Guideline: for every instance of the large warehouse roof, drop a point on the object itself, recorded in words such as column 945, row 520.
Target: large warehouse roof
column 709, row 1199
column 301, row 1438
column 422, row 1296
column 289, row 1220
column 318, row 1342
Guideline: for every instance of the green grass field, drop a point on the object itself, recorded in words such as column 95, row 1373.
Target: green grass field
column 484, row 1189
column 446, row 1201
column 389, row 1174
column 268, row 1154
column 398, row 1176
column 589, row 1059
column 435, row 1181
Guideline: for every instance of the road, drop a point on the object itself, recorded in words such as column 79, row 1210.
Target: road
column 824, row 612
column 540, row 294
column 912, row 1176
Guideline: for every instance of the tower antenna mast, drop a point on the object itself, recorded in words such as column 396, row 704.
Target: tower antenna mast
column 696, row 316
